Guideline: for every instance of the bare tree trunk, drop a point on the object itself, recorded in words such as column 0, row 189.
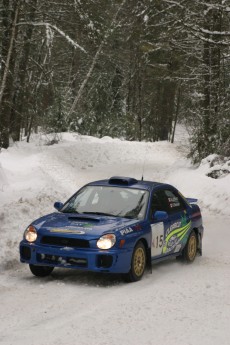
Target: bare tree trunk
column 29, row 129
column 177, row 113
column 7, row 64
column 4, row 90
column 81, row 89
column 19, row 97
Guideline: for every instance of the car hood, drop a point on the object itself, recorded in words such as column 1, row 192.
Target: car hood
column 81, row 225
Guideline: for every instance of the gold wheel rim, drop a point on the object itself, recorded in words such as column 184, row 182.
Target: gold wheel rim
column 139, row 261
column 192, row 247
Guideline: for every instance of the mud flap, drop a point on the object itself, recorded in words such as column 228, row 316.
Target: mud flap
column 200, row 244
column 149, row 262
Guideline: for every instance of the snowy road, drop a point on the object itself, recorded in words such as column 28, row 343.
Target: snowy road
column 176, row 304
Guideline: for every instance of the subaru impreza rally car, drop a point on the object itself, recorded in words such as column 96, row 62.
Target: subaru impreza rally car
column 119, row 225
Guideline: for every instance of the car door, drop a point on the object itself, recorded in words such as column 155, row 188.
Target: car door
column 179, row 223
column 170, row 234
column 158, row 228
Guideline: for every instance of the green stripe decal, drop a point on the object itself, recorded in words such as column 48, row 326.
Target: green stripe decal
column 180, row 233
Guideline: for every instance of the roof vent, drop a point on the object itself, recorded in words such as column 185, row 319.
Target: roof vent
column 124, row 181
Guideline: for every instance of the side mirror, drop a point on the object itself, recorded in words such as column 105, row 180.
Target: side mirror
column 58, row 205
column 160, row 216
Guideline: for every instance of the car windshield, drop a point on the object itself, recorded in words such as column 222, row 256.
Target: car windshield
column 111, row 201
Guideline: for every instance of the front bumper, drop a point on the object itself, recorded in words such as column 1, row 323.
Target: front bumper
column 112, row 261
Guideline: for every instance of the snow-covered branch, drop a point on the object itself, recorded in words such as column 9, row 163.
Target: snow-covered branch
column 199, row 33
column 55, row 28
column 219, row 33
column 174, row 3
column 216, row 6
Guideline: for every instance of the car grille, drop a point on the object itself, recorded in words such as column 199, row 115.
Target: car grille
column 65, row 242
column 62, row 260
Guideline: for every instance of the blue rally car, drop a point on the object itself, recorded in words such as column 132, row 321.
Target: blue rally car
column 119, row 225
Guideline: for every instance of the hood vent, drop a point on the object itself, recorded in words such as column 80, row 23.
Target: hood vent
column 84, row 218
column 122, row 181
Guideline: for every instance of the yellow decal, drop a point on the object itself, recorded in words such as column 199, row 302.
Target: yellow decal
column 68, row 231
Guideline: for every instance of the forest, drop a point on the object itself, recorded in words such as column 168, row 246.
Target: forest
column 121, row 68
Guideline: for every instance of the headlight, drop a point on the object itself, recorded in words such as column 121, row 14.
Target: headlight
column 31, row 234
column 106, row 241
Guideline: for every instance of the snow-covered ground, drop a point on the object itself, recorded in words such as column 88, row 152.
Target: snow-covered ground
column 176, row 304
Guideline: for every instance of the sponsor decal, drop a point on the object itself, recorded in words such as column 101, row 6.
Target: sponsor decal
column 178, row 248
column 175, row 225
column 175, row 234
column 86, row 226
column 172, row 243
column 137, row 227
column 73, row 227
column 126, row 231
column 174, row 199
column 174, row 204
column 68, row 231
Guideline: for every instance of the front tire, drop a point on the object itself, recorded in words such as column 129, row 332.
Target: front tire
column 138, row 263
column 190, row 249
column 41, row 271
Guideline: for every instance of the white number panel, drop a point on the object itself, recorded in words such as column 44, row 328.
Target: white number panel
column 157, row 238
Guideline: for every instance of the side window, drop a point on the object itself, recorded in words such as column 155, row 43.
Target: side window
column 159, row 202
column 166, row 200
column 174, row 201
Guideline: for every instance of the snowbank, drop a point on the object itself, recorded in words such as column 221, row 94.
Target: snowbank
column 33, row 176
column 175, row 305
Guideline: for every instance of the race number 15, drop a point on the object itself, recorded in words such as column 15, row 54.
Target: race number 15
column 158, row 241
column 157, row 238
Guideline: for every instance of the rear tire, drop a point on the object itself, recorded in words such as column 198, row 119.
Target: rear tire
column 190, row 249
column 41, row 271
column 138, row 263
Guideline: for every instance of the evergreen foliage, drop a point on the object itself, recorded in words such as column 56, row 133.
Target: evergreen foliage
column 119, row 68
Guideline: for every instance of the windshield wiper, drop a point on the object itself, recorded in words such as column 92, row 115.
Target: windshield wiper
column 101, row 214
column 70, row 211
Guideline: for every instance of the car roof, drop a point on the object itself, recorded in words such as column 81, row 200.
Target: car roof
column 129, row 182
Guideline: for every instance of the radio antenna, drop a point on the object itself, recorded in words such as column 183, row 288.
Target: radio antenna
column 143, row 165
